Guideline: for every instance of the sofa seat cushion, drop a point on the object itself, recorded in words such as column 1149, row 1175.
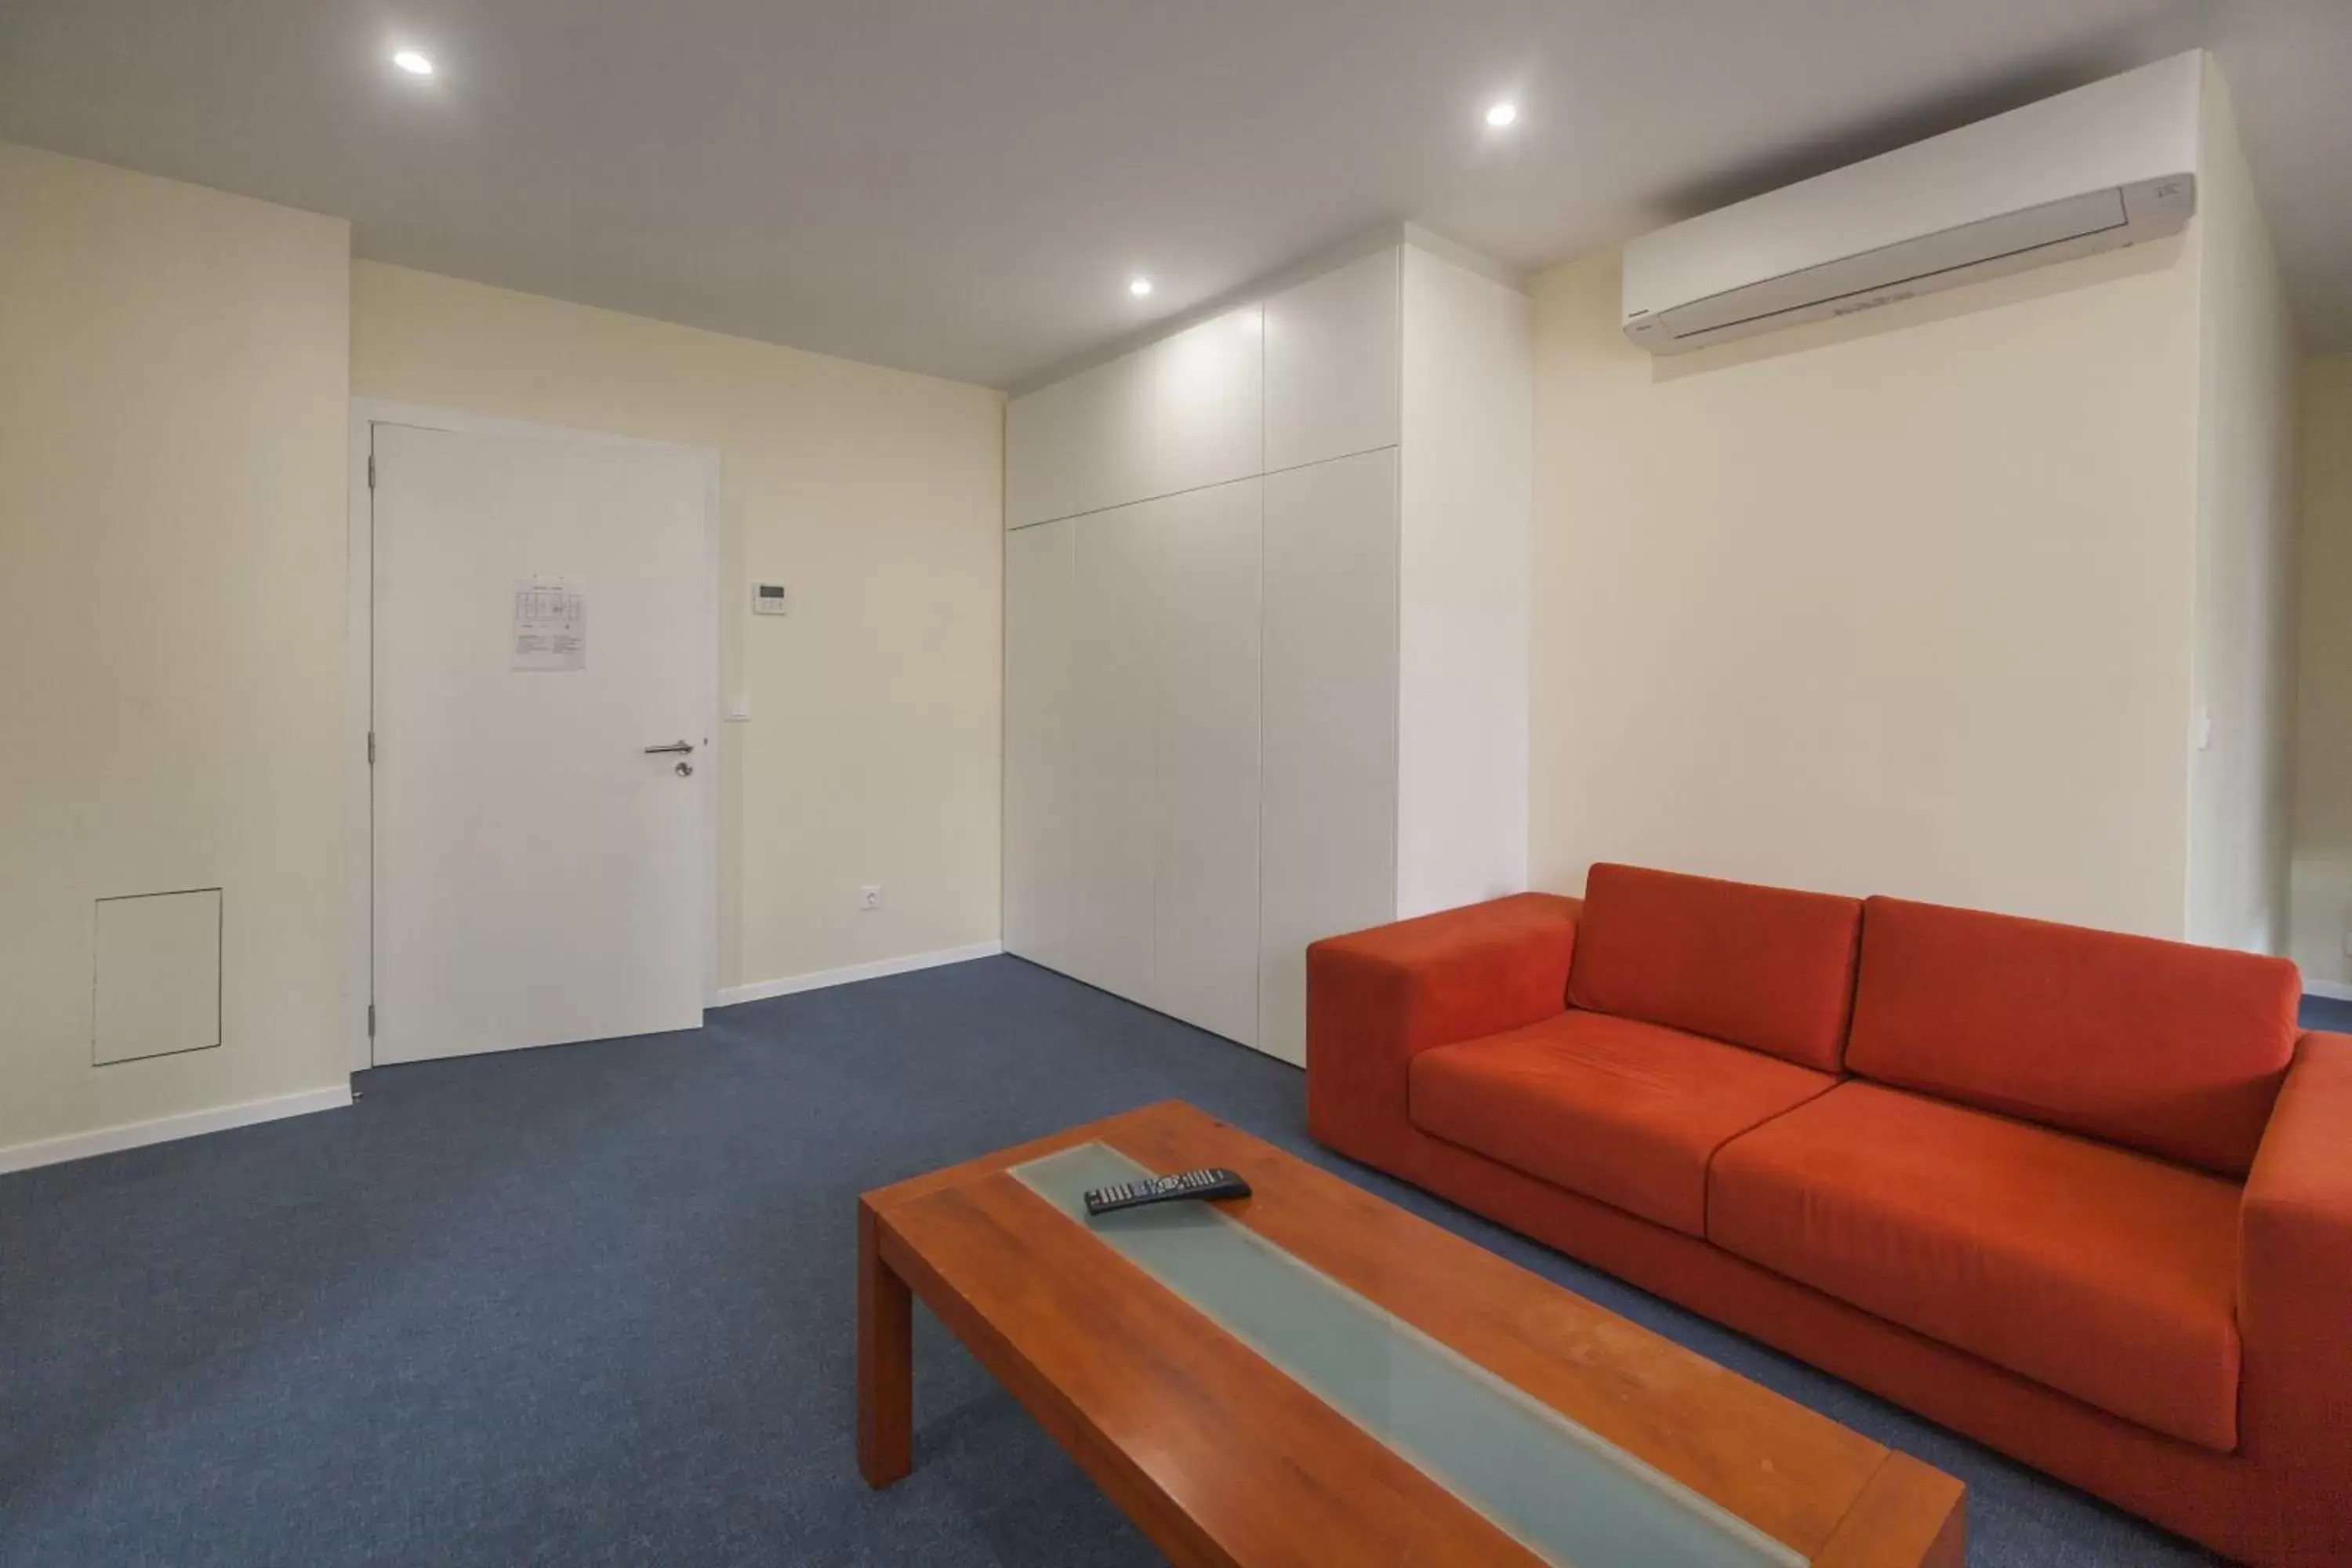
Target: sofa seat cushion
column 1623, row 1111
column 2091, row 1270
column 1768, row 968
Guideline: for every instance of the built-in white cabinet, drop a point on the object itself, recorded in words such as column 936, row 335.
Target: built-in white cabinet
column 1040, row 598
column 1177, row 414
column 1207, row 565
column 1114, row 753
column 1329, row 715
column 1331, row 346
column 1253, row 567
column 1465, row 473
column 1131, row 750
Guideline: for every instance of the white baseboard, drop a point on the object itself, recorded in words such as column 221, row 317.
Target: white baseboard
column 2334, row 990
column 728, row 996
column 164, row 1129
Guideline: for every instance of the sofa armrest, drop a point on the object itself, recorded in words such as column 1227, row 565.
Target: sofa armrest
column 2295, row 1295
column 1377, row 998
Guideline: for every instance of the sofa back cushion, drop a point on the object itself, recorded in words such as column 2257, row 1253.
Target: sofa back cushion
column 1768, row 968
column 2159, row 1045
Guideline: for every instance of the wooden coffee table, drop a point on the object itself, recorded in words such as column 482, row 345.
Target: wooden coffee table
column 1311, row 1375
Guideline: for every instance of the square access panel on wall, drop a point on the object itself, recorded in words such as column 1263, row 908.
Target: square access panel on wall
column 157, row 989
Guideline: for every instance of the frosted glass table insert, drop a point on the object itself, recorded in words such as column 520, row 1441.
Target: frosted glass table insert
column 1572, row 1498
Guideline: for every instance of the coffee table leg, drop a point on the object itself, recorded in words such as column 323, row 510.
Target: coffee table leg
column 886, row 1362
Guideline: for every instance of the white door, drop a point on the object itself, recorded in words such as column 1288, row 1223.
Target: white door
column 1114, row 753
column 542, row 622
column 1206, row 574
column 1040, row 582
column 1329, row 706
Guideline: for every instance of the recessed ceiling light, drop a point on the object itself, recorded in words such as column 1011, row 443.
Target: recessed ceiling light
column 1502, row 114
column 1140, row 287
column 411, row 62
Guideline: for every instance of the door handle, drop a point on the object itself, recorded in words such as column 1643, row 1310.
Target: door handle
column 673, row 746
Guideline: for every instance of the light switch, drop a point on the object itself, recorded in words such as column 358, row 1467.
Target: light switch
column 738, row 708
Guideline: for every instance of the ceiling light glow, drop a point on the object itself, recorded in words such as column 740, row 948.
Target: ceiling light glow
column 1503, row 114
column 413, row 63
column 1140, row 287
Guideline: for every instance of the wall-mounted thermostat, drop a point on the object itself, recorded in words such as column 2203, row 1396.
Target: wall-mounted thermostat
column 767, row 598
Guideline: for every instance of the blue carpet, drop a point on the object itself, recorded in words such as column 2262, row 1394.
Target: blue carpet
column 592, row 1305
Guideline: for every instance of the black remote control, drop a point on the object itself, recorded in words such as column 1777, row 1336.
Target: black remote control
column 1208, row 1182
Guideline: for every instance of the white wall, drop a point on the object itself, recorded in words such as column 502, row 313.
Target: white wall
column 2322, row 879
column 173, row 385
column 1939, row 600
column 1897, row 604
column 2239, row 797
column 876, row 494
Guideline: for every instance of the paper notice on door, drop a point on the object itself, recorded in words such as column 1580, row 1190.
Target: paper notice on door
column 550, row 624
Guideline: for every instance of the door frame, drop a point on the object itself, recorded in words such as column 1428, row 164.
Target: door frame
column 359, row 686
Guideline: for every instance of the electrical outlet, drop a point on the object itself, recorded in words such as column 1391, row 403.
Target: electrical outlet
column 869, row 897
column 2347, row 944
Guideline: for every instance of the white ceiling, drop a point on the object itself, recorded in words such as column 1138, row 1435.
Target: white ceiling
column 965, row 186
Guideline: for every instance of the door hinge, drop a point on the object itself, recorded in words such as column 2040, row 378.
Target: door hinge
column 370, row 748
column 371, row 471
column 371, row 1020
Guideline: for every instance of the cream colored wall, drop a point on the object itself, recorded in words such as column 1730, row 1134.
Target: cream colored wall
column 173, row 387
column 1895, row 604
column 872, row 755
column 2243, row 680
column 2322, row 866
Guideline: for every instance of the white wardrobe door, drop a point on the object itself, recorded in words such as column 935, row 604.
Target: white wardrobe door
column 1206, row 902
column 1204, row 408
column 1040, row 586
column 1114, row 753
column 1329, row 798
column 1176, row 415
column 1331, row 357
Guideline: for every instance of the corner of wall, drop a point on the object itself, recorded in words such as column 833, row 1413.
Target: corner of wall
column 2320, row 861
column 2240, row 741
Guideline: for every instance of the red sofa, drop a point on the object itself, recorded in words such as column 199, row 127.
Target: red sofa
column 2085, row 1197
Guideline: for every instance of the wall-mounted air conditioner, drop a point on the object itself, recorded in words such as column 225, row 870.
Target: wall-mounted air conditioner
column 2105, row 165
